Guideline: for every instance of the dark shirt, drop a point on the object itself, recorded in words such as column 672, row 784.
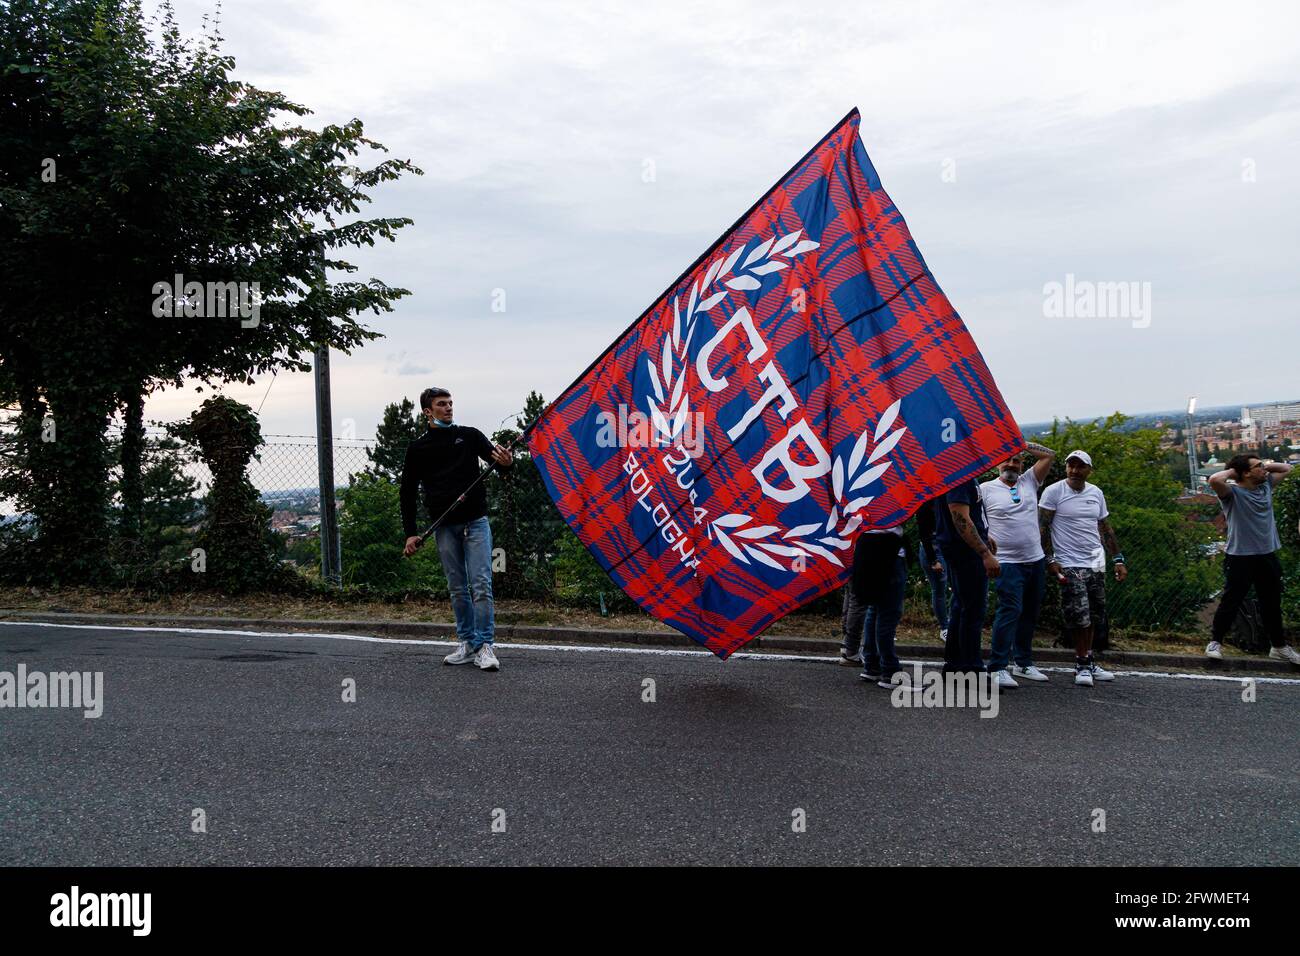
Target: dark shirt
column 445, row 461
column 967, row 493
column 925, row 527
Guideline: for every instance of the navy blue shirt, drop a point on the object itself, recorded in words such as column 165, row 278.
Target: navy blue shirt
column 967, row 493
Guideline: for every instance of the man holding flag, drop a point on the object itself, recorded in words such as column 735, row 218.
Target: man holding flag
column 445, row 461
column 837, row 387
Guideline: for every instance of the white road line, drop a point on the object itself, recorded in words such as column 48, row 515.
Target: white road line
column 596, row 649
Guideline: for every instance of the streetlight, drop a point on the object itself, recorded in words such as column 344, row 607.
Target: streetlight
column 1191, row 445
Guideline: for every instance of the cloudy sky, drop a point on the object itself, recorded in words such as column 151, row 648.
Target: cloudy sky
column 1115, row 142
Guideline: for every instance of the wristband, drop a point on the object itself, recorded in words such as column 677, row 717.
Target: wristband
column 1118, row 559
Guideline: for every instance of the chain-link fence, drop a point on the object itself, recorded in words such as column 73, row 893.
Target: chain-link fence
column 1173, row 544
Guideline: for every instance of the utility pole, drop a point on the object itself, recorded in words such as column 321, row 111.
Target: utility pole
column 1191, row 445
column 331, row 556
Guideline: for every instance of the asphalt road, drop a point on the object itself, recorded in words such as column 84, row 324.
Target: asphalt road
column 561, row 747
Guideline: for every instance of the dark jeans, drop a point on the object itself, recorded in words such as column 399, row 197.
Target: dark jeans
column 852, row 622
column 1020, row 595
column 881, row 624
column 938, row 583
column 970, row 585
column 1264, row 571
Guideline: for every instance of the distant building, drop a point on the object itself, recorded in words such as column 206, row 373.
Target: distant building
column 1271, row 416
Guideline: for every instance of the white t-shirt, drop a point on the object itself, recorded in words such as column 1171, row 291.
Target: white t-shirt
column 1013, row 526
column 1075, row 537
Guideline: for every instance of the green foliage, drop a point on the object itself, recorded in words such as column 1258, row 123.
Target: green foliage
column 1286, row 509
column 400, row 426
column 525, row 522
column 129, row 155
column 580, row 579
column 161, row 539
column 370, row 526
column 242, row 553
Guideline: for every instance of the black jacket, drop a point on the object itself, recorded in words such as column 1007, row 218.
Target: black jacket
column 445, row 462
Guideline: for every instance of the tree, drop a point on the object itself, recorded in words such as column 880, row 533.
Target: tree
column 240, row 552
column 525, row 522
column 400, row 426
column 370, row 528
column 128, row 157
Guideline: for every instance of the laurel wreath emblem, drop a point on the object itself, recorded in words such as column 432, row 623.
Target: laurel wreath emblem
column 817, row 539
column 670, row 404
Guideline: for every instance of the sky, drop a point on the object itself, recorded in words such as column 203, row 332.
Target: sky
column 578, row 156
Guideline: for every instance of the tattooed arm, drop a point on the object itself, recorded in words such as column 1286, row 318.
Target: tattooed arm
column 1045, row 458
column 966, row 529
column 1045, row 516
column 1111, row 544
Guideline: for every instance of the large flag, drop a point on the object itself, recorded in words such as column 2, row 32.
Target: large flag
column 803, row 381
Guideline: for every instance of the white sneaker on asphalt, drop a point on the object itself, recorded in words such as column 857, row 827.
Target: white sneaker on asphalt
column 1027, row 673
column 847, row 661
column 1098, row 673
column 486, row 659
column 900, row 679
column 1003, row 680
column 461, row 655
column 1214, row 649
column 1285, row 653
column 1082, row 677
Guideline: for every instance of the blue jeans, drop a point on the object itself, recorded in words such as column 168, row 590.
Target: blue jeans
column 938, row 583
column 466, row 552
column 1020, row 595
column 881, row 624
column 970, row 595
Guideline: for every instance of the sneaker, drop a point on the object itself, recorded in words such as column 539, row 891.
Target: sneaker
column 905, row 681
column 461, row 655
column 1082, row 677
column 850, row 660
column 1285, row 653
column 486, row 659
column 1003, row 679
column 1099, row 674
column 1027, row 673
column 868, row 675
column 943, row 635
column 1214, row 649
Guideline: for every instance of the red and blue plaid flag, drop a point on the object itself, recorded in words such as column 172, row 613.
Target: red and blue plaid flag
column 804, row 380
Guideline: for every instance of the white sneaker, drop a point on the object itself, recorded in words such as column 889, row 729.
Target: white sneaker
column 900, row 679
column 461, row 655
column 486, row 659
column 943, row 635
column 1099, row 674
column 1214, row 649
column 1285, row 653
column 1027, row 673
column 1003, row 679
column 1082, row 677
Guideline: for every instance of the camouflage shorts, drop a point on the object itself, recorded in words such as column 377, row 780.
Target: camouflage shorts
column 1083, row 596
